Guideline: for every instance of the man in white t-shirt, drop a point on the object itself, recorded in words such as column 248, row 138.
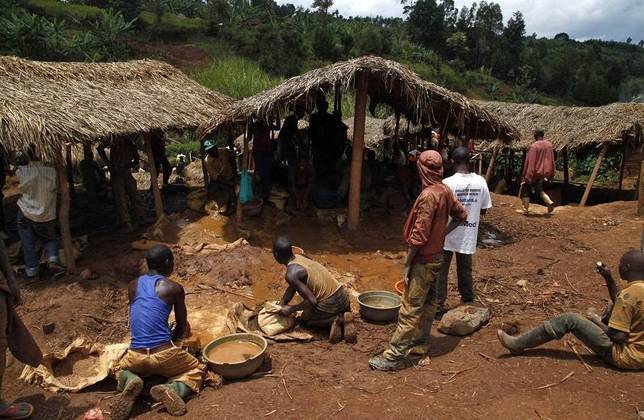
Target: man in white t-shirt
column 472, row 191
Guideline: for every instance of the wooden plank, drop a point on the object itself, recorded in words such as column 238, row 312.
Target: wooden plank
column 154, row 177
column 63, row 217
column 362, row 82
column 593, row 175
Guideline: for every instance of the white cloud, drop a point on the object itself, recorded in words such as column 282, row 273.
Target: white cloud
column 581, row 19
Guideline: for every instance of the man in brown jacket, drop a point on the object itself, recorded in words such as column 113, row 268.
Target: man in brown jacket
column 424, row 234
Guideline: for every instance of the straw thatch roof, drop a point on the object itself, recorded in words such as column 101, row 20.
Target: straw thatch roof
column 389, row 82
column 574, row 127
column 404, row 126
column 48, row 103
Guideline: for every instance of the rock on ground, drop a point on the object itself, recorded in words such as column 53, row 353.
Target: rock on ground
column 464, row 320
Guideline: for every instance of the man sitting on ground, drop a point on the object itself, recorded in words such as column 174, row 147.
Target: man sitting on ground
column 325, row 301
column 620, row 341
column 152, row 351
column 539, row 167
column 472, row 191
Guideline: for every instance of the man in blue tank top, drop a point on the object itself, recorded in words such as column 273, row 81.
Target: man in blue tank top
column 152, row 351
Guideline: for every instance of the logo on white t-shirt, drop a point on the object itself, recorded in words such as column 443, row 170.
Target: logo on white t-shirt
column 472, row 191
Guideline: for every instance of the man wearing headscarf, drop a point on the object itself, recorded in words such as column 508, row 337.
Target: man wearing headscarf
column 424, row 234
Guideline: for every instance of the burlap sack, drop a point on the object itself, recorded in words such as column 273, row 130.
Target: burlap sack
column 271, row 322
column 61, row 371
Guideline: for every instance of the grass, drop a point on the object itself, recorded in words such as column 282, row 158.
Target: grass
column 57, row 9
column 236, row 77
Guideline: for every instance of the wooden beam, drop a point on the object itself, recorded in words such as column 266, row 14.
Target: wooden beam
column 640, row 198
column 490, row 168
column 359, row 116
column 593, row 176
column 63, row 217
column 566, row 166
column 154, row 177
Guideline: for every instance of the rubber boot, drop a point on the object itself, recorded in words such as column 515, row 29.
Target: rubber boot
column 335, row 334
column 546, row 199
column 349, row 329
column 130, row 386
column 516, row 345
column 172, row 396
column 526, row 204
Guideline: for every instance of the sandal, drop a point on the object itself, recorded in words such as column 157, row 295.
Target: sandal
column 21, row 410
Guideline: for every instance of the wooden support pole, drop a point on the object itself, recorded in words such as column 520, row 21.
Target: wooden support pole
column 566, row 166
column 621, row 167
column 593, row 176
column 202, row 154
column 490, row 168
column 154, row 177
column 63, row 218
column 359, row 116
column 244, row 162
column 640, row 198
column 70, row 173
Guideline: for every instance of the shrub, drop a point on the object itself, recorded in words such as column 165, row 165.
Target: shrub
column 69, row 11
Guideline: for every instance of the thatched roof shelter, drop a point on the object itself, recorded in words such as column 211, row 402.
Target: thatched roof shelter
column 49, row 104
column 574, row 127
column 389, row 82
column 404, row 126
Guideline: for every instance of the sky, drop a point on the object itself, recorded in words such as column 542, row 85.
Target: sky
column 581, row 19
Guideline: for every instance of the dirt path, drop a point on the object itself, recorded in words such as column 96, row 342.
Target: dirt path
column 556, row 256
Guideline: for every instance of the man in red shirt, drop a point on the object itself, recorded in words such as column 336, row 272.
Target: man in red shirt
column 424, row 233
column 539, row 167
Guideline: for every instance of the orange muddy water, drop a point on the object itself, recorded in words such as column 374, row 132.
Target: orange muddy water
column 234, row 352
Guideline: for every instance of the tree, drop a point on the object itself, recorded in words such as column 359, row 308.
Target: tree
column 158, row 7
column 428, row 22
column 562, row 36
column 323, row 7
column 218, row 12
column 512, row 45
column 457, row 46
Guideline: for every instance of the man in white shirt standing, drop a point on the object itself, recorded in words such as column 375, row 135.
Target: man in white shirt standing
column 36, row 218
column 472, row 191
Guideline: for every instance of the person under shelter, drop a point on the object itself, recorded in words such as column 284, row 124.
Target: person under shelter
column 152, row 350
column 124, row 157
column 617, row 340
column 424, row 234
column 36, row 218
column 221, row 178
column 539, row 167
column 325, row 302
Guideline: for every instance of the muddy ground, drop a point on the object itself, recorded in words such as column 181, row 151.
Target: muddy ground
column 470, row 377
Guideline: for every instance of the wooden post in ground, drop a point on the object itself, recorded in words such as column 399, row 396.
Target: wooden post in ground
column 362, row 82
column 593, row 175
column 244, row 162
column 490, row 168
column 70, row 173
column 621, row 167
column 640, row 198
column 154, row 181
column 566, row 167
column 202, row 154
column 63, row 217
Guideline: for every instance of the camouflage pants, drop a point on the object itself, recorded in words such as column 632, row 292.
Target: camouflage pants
column 417, row 312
